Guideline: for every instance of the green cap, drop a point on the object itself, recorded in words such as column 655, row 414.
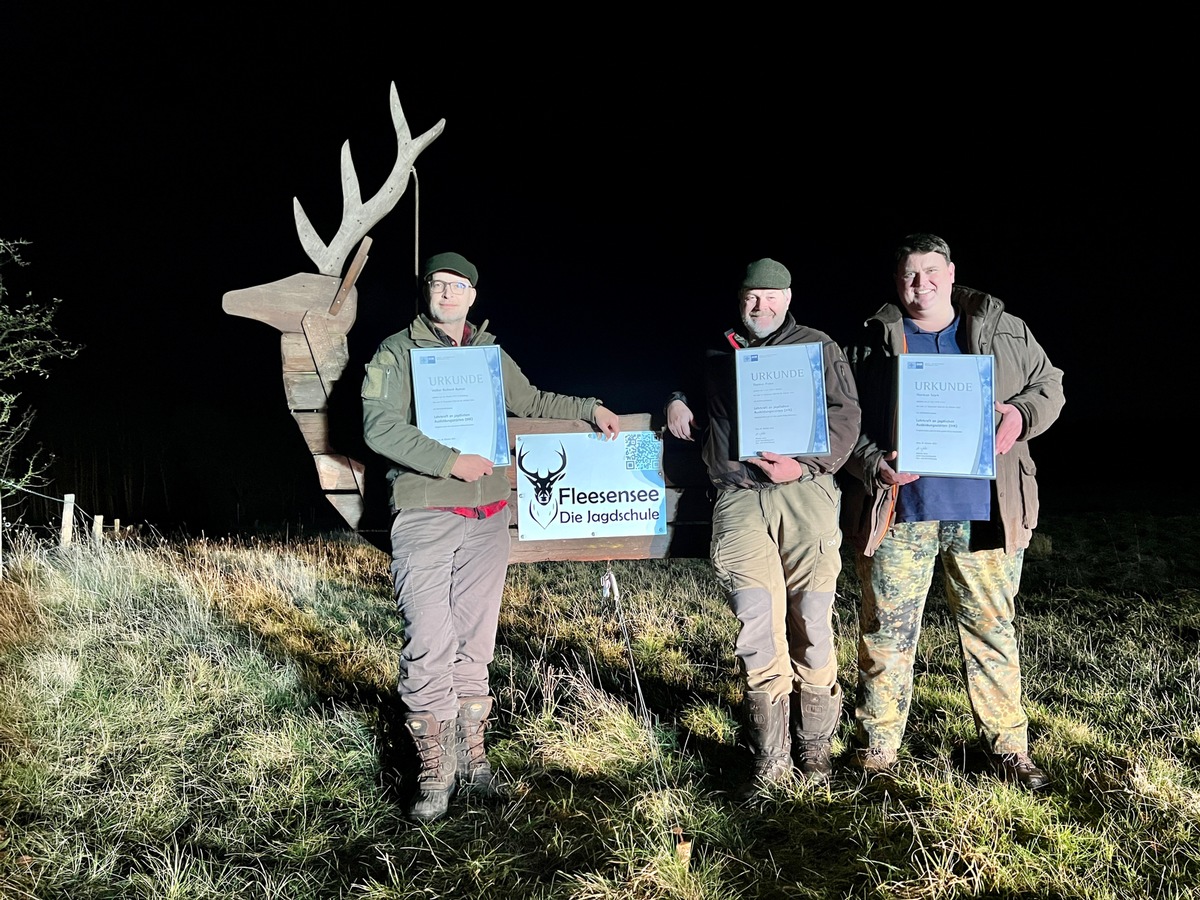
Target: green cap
column 766, row 273
column 451, row 262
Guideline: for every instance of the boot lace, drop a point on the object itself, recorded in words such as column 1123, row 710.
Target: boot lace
column 813, row 751
column 1019, row 762
column 876, row 759
column 472, row 737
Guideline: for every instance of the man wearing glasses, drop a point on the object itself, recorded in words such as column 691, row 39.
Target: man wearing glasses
column 450, row 540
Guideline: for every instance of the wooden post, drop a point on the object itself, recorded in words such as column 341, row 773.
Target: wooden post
column 116, row 529
column 97, row 528
column 360, row 260
column 68, row 520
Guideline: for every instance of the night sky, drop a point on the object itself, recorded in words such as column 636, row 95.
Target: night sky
column 611, row 198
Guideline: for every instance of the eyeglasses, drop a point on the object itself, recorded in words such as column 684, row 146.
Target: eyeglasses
column 456, row 287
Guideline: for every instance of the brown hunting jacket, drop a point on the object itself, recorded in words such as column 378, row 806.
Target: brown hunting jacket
column 1024, row 377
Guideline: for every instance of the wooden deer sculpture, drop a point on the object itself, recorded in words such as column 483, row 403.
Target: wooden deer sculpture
column 315, row 312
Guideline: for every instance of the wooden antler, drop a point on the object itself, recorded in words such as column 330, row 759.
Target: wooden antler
column 359, row 217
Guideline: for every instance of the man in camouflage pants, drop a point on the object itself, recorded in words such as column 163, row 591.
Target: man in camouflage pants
column 903, row 523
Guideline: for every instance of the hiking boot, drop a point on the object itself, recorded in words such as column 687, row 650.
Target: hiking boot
column 475, row 774
column 876, row 761
column 434, row 743
column 767, row 731
column 1017, row 768
column 814, row 717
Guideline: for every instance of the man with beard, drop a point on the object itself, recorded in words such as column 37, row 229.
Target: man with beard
column 776, row 542
column 450, row 541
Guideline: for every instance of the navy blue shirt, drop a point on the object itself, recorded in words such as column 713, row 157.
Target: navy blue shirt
column 931, row 498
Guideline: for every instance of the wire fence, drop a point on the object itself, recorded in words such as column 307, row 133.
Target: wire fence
column 73, row 520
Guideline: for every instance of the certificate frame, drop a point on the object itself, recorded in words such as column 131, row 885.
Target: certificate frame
column 458, row 394
column 945, row 415
column 781, row 400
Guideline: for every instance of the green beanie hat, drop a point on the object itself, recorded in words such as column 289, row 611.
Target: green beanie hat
column 451, row 262
column 766, row 273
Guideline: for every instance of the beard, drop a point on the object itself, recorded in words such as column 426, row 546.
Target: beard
column 762, row 327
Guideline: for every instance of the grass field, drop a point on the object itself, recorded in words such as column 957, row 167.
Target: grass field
column 200, row 719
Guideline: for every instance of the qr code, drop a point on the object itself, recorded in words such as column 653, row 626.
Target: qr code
column 643, row 451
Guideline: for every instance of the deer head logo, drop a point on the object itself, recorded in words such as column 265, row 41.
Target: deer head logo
column 543, row 507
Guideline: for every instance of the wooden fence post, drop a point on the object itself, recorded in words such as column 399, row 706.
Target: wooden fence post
column 97, row 528
column 68, row 520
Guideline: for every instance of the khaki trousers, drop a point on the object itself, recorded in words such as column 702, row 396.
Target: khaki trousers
column 777, row 554
column 448, row 571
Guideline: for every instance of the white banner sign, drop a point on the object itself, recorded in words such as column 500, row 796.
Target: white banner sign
column 582, row 486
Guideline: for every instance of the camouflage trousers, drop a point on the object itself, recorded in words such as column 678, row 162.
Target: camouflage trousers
column 981, row 590
column 776, row 552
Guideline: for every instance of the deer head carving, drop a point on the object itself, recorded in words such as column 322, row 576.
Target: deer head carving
column 315, row 311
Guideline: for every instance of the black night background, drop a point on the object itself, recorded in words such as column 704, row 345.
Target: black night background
column 611, row 198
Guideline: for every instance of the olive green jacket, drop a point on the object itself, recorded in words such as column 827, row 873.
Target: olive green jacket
column 421, row 476
column 1024, row 377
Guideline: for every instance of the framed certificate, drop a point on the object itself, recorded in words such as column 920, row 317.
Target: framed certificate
column 459, row 397
column 946, row 418
column 781, row 401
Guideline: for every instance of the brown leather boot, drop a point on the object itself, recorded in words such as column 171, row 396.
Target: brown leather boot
column 475, row 774
column 434, row 742
column 1018, row 768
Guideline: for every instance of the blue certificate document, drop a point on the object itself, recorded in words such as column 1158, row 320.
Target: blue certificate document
column 781, row 401
column 459, row 398
column 946, row 420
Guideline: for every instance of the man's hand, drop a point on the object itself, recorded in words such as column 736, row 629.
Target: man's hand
column 471, row 467
column 1011, row 426
column 780, row 469
column 607, row 421
column 680, row 420
column 890, row 476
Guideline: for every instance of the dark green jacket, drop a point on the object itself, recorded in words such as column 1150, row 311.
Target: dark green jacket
column 841, row 401
column 421, row 475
